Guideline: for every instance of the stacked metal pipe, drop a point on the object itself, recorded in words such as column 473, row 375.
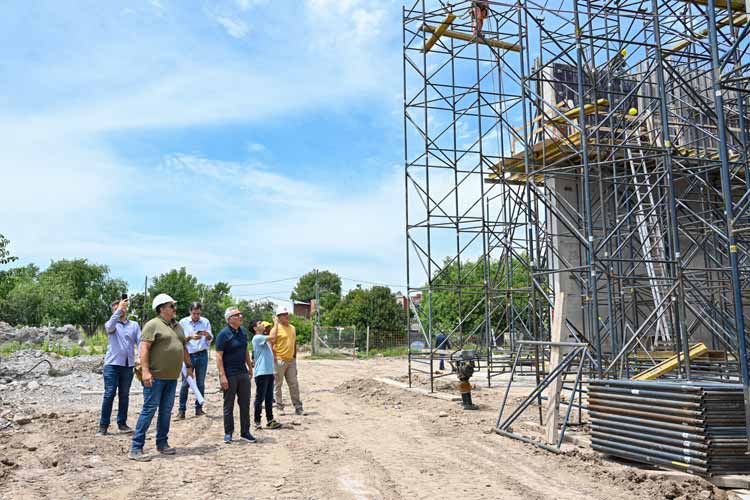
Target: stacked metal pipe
column 696, row 427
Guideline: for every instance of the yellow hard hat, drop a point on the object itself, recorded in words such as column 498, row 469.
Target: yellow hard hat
column 266, row 324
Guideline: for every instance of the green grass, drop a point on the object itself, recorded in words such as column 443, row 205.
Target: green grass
column 96, row 344
column 67, row 351
column 331, row 355
column 11, row 347
column 387, row 352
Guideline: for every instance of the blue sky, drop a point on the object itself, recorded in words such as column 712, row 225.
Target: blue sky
column 244, row 139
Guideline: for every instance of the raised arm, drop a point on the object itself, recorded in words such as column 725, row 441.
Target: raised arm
column 111, row 324
column 274, row 333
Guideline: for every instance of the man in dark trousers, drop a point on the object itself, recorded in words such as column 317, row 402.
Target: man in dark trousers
column 235, row 368
column 442, row 343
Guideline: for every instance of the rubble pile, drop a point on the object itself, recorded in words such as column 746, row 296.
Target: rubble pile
column 67, row 334
column 31, row 379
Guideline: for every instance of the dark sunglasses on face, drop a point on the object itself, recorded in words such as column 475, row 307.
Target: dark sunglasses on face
column 238, row 315
column 172, row 306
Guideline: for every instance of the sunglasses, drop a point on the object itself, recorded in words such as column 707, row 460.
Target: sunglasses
column 238, row 315
column 172, row 306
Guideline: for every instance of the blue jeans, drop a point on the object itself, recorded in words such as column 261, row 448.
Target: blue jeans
column 160, row 395
column 117, row 379
column 199, row 360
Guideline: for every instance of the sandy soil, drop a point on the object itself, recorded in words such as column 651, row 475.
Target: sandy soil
column 361, row 439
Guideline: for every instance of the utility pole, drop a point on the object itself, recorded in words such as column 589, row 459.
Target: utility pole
column 316, row 327
column 145, row 298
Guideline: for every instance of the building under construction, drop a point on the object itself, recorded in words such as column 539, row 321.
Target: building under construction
column 596, row 150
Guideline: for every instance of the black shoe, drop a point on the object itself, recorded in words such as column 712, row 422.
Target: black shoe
column 199, row 412
column 248, row 437
column 124, row 429
column 180, row 415
column 102, row 430
column 299, row 411
column 167, row 450
column 258, row 426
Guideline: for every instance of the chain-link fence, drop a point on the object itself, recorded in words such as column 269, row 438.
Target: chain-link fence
column 385, row 342
column 359, row 342
column 331, row 340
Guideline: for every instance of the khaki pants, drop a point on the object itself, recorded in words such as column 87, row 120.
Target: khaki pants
column 287, row 370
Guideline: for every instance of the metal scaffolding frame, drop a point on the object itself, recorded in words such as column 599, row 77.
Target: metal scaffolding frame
column 595, row 148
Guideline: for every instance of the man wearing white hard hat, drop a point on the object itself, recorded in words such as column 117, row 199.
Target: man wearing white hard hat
column 285, row 349
column 162, row 353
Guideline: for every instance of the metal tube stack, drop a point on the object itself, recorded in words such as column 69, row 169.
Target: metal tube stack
column 696, row 427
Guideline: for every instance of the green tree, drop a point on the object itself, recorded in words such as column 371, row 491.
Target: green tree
column 449, row 308
column 78, row 292
column 256, row 309
column 12, row 277
column 375, row 307
column 178, row 284
column 23, row 304
column 215, row 300
column 20, row 297
column 136, row 308
column 330, row 289
column 5, row 256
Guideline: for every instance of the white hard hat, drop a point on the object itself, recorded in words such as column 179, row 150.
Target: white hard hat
column 161, row 299
column 282, row 310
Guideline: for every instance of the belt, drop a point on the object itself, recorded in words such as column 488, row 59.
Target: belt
column 197, row 352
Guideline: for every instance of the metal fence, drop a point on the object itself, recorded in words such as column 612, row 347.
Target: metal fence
column 354, row 342
column 328, row 340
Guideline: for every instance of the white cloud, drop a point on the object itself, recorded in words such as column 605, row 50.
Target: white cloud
column 234, row 27
column 67, row 194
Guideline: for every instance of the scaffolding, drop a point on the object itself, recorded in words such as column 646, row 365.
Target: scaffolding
column 593, row 148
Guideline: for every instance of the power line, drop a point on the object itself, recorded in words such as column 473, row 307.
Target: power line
column 372, row 282
column 265, row 282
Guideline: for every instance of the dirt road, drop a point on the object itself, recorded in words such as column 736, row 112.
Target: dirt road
column 361, row 439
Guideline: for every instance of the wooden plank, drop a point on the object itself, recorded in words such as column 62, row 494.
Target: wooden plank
column 738, row 20
column 439, row 32
column 468, row 38
column 552, row 420
column 670, row 364
column 737, row 5
column 573, row 113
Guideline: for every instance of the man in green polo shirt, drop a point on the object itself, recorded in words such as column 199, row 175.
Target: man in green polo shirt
column 162, row 353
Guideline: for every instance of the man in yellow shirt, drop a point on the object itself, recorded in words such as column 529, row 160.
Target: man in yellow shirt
column 285, row 350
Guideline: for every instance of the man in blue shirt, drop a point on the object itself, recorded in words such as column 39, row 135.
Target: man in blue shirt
column 235, row 366
column 123, row 338
column 198, row 335
column 264, row 373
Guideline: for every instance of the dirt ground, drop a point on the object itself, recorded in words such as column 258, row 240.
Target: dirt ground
column 361, row 439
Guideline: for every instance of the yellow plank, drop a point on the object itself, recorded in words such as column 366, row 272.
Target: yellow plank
column 738, row 20
column 468, row 38
column 670, row 364
column 587, row 109
column 737, row 5
column 439, row 32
